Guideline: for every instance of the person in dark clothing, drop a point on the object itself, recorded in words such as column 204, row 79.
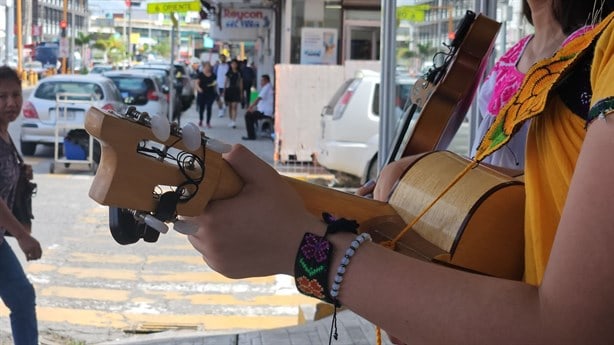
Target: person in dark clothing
column 206, row 88
column 233, row 91
column 249, row 76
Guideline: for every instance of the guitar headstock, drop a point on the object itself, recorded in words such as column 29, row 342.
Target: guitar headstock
column 154, row 167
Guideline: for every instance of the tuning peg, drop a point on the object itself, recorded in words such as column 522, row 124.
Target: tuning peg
column 185, row 227
column 191, row 136
column 155, row 223
column 160, row 127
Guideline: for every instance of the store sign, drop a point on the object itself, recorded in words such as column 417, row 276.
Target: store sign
column 241, row 23
column 244, row 19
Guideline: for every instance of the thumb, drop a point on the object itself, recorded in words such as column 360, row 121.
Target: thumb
column 249, row 166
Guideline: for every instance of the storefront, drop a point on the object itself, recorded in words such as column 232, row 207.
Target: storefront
column 330, row 31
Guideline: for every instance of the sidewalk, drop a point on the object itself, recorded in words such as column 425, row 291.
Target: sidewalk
column 352, row 330
column 263, row 147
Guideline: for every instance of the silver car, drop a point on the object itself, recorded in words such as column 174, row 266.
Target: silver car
column 76, row 94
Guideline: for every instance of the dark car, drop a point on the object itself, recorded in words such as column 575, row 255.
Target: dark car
column 178, row 73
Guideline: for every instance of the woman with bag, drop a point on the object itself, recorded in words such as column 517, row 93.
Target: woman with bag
column 16, row 291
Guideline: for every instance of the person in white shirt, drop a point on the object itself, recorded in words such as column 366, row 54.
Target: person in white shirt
column 261, row 108
column 220, row 71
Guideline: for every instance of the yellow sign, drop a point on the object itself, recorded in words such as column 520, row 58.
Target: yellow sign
column 414, row 13
column 170, row 7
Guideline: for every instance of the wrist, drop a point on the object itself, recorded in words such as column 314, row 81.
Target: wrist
column 319, row 255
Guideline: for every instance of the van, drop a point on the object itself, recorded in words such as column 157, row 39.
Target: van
column 349, row 125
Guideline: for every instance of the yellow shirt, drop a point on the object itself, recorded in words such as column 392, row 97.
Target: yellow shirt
column 556, row 133
column 554, row 143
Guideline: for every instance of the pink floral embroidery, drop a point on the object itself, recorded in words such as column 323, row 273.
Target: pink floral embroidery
column 508, row 78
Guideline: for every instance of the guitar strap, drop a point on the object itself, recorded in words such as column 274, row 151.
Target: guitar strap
column 531, row 98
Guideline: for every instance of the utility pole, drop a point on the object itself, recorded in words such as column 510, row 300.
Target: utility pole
column 128, row 30
column 63, row 31
column 19, row 37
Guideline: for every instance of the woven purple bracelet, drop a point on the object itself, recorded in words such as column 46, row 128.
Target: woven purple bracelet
column 311, row 267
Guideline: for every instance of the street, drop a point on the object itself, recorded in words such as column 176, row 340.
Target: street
column 91, row 289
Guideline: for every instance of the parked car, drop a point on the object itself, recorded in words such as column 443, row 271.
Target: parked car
column 349, row 124
column 81, row 92
column 165, row 80
column 141, row 89
column 181, row 80
column 350, row 127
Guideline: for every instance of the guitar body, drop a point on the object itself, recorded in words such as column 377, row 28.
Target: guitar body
column 478, row 224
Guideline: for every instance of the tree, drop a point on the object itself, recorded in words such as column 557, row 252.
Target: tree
column 114, row 49
column 82, row 41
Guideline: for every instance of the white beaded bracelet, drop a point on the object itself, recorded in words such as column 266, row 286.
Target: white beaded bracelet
column 345, row 261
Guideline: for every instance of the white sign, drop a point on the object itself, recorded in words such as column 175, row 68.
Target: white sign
column 241, row 24
column 63, row 47
column 318, row 46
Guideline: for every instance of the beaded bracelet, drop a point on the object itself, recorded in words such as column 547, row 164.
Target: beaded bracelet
column 345, row 261
column 312, row 265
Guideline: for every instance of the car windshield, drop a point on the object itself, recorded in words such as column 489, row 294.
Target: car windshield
column 82, row 91
column 134, row 90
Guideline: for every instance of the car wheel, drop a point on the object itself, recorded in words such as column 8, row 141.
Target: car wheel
column 27, row 148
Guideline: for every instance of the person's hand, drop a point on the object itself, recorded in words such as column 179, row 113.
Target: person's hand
column 30, row 247
column 390, row 175
column 250, row 108
column 258, row 231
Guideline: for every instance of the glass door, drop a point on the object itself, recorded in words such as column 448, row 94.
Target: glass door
column 363, row 43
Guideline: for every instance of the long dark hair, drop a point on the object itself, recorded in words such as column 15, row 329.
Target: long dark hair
column 9, row 74
column 574, row 14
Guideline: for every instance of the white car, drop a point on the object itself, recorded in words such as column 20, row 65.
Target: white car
column 141, row 89
column 81, row 92
column 349, row 123
column 350, row 127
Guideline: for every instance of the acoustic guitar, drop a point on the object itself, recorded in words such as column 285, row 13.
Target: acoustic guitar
column 476, row 226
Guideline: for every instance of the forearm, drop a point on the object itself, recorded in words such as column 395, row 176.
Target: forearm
column 10, row 223
column 425, row 303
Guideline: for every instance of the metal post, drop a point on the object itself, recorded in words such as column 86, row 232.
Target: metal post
column 171, row 103
column 129, row 46
column 387, row 92
column 10, row 29
column 19, row 38
column 73, row 33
